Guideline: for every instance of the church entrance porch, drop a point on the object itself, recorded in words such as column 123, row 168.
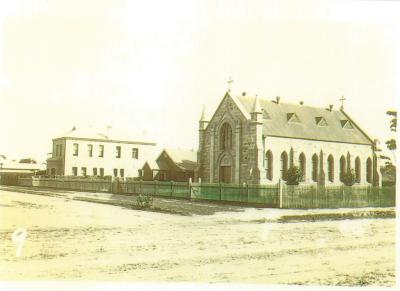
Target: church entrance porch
column 225, row 174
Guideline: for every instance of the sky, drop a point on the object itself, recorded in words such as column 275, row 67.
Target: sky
column 152, row 65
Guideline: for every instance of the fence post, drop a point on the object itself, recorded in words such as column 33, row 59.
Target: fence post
column 280, row 193
column 190, row 189
column 199, row 189
column 247, row 192
column 220, row 191
column 172, row 188
column 155, row 187
column 343, row 197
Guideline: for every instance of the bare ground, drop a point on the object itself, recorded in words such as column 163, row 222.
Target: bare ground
column 77, row 240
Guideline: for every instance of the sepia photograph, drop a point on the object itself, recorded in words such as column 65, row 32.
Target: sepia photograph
column 199, row 144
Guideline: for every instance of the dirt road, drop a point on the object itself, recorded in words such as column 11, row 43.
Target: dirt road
column 78, row 240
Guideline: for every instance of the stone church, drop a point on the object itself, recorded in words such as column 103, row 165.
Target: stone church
column 254, row 140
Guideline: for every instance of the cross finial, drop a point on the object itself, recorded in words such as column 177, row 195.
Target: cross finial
column 342, row 100
column 230, row 81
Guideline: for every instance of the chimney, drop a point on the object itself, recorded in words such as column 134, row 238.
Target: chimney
column 330, row 107
column 301, row 102
column 277, row 99
column 243, row 93
column 74, row 128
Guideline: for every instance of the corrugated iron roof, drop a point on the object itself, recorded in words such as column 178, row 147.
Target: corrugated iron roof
column 307, row 128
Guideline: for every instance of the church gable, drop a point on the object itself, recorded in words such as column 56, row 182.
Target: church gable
column 229, row 109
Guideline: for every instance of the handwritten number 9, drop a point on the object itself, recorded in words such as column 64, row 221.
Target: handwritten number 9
column 18, row 238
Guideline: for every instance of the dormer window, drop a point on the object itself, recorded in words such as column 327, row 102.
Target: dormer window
column 265, row 114
column 321, row 121
column 346, row 124
column 292, row 117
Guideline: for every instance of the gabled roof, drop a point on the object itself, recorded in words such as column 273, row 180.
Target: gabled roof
column 185, row 159
column 307, row 128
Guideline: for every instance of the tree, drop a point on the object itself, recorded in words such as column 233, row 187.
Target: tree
column 294, row 175
column 391, row 144
column 388, row 174
column 349, row 178
column 393, row 121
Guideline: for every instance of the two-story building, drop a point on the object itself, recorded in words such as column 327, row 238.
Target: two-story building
column 87, row 152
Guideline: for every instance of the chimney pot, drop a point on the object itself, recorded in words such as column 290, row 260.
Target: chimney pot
column 277, row 99
column 301, row 102
column 243, row 93
column 330, row 107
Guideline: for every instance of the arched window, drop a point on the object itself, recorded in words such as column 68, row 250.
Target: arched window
column 225, row 138
column 284, row 166
column 302, row 165
column 315, row 168
column 357, row 166
column 331, row 168
column 269, row 163
column 369, row 170
column 348, row 168
column 342, row 168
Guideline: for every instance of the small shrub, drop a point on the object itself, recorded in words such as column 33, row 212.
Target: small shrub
column 294, row 175
column 349, row 178
column 144, row 201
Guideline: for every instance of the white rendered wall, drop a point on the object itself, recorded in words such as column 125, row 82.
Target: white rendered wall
column 310, row 147
column 109, row 161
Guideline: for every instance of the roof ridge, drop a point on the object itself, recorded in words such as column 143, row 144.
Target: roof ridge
column 260, row 99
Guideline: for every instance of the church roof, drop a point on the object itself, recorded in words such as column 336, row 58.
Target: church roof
column 306, row 127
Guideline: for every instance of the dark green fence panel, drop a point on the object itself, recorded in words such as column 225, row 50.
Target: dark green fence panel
column 180, row 190
column 232, row 192
column 208, row 192
column 164, row 189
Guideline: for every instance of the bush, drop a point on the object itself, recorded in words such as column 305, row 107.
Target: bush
column 349, row 178
column 144, row 201
column 294, row 175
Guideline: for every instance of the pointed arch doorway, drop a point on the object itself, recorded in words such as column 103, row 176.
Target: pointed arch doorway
column 225, row 169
